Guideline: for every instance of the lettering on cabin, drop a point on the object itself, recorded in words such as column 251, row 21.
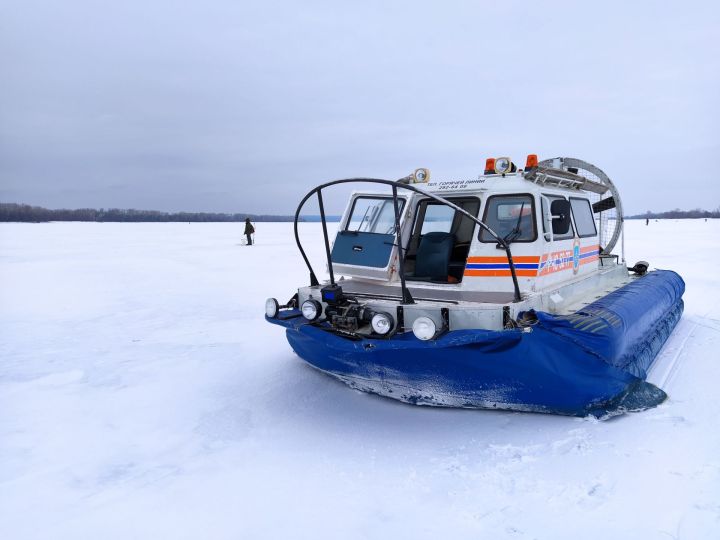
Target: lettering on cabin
column 568, row 259
column 450, row 185
column 555, row 262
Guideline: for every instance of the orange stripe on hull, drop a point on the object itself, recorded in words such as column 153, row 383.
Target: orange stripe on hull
column 547, row 271
column 589, row 259
column 500, row 273
column 521, row 259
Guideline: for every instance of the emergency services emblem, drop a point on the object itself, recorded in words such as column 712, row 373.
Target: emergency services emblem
column 576, row 256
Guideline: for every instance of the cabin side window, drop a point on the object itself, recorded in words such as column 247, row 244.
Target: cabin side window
column 373, row 215
column 512, row 217
column 547, row 218
column 440, row 241
column 583, row 217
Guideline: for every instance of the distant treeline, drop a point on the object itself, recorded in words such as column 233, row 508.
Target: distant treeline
column 35, row 214
column 679, row 214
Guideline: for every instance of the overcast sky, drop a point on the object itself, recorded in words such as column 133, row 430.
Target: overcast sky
column 245, row 106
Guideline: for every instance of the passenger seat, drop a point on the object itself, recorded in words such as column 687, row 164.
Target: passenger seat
column 432, row 261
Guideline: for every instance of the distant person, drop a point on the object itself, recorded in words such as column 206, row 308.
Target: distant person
column 249, row 231
column 647, row 221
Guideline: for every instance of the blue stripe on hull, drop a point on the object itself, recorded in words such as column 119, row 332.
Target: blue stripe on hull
column 500, row 266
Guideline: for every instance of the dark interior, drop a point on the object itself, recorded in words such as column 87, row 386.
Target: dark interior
column 440, row 241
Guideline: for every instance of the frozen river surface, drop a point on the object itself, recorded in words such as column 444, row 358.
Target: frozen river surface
column 142, row 395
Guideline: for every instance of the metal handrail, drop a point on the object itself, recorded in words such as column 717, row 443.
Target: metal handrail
column 395, row 185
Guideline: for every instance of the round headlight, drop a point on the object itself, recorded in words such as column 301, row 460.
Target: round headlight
column 502, row 165
column 421, row 176
column 311, row 309
column 271, row 307
column 424, row 328
column 381, row 323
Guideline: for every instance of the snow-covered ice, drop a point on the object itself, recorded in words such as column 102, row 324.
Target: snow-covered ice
column 142, row 395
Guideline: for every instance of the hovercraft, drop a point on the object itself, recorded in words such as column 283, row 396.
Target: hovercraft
column 499, row 292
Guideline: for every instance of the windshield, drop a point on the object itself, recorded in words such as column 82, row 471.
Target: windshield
column 374, row 215
column 511, row 217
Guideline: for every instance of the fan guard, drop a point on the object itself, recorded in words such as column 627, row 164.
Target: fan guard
column 607, row 206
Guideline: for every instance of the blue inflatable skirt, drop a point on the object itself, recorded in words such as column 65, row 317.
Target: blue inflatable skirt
column 593, row 362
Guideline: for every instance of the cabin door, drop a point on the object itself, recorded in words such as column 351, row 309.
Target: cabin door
column 365, row 244
column 440, row 240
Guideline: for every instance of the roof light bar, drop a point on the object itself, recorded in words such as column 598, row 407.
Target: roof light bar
column 490, row 165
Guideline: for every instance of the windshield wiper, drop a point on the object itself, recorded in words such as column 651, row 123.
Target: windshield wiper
column 513, row 235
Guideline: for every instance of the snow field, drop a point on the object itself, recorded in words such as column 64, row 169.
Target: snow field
column 142, row 395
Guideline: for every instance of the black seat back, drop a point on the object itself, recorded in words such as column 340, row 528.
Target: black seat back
column 433, row 255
